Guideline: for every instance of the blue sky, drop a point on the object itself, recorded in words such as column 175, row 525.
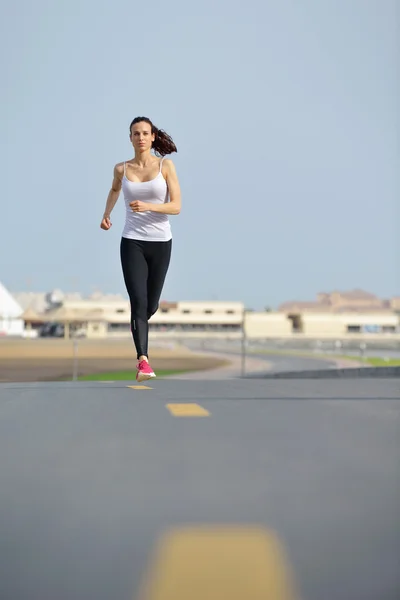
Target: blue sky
column 285, row 115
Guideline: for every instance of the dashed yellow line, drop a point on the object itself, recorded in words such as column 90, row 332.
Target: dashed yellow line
column 139, row 387
column 219, row 563
column 187, row 410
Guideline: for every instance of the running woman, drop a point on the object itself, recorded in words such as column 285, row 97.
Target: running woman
column 151, row 191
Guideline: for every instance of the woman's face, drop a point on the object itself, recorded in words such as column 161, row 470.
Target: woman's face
column 141, row 136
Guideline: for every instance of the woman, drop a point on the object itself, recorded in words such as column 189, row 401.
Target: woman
column 151, row 191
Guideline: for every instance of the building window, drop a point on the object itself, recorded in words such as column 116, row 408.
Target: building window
column 120, row 310
column 297, row 323
column 353, row 328
column 164, row 310
column 119, row 327
column 230, row 312
column 186, row 312
column 208, row 312
column 371, row 329
column 388, row 329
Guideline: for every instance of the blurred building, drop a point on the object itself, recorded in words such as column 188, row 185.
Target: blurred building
column 395, row 304
column 11, row 312
column 111, row 318
column 339, row 314
column 332, row 315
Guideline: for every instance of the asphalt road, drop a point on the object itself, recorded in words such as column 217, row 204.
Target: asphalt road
column 279, row 363
column 93, row 474
column 275, row 363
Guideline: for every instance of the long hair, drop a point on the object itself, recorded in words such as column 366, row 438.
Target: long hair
column 163, row 143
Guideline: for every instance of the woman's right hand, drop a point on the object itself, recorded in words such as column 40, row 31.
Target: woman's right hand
column 106, row 223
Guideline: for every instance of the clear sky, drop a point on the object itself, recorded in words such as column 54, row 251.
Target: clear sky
column 286, row 119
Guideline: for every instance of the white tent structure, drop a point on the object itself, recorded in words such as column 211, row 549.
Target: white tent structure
column 11, row 322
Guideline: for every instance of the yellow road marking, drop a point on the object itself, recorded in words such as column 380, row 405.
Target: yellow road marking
column 187, row 410
column 219, row 563
column 139, row 387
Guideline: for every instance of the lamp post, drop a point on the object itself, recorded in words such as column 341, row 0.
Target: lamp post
column 75, row 360
column 243, row 370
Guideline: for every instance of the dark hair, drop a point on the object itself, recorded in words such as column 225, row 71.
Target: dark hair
column 163, row 143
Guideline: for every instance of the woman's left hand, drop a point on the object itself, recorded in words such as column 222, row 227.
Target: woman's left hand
column 138, row 206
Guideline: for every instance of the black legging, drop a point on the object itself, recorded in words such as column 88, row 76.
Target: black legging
column 144, row 266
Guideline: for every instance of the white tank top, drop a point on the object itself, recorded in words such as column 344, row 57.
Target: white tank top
column 149, row 226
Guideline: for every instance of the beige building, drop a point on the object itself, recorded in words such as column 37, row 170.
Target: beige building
column 355, row 300
column 90, row 317
column 395, row 304
column 198, row 319
column 343, row 314
column 333, row 315
column 111, row 318
column 346, row 324
column 322, row 325
column 264, row 325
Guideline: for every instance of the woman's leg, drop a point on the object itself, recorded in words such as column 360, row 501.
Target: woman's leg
column 159, row 256
column 135, row 272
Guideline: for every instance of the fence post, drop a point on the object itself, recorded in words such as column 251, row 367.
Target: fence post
column 75, row 361
column 244, row 343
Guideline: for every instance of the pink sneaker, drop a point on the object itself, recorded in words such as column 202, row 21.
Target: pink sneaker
column 144, row 371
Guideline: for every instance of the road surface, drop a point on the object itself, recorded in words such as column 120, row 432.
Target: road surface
column 264, row 489
column 255, row 362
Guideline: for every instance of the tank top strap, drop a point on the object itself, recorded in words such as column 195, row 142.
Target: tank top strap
column 161, row 162
column 124, row 169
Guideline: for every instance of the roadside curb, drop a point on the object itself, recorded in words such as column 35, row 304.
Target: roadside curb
column 346, row 373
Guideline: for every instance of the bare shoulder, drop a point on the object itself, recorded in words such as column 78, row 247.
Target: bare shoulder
column 119, row 170
column 168, row 166
column 167, row 162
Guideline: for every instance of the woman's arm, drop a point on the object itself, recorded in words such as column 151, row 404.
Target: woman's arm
column 173, row 207
column 114, row 191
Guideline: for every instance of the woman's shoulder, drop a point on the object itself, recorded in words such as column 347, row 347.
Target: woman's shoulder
column 168, row 167
column 167, row 163
column 119, row 169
